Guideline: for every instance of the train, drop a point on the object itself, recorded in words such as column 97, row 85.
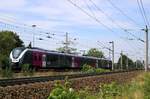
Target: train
column 45, row 59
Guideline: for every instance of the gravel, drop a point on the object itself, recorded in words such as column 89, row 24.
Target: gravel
column 42, row 90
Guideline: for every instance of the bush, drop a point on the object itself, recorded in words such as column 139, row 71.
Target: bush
column 100, row 70
column 109, row 91
column 27, row 70
column 7, row 72
column 89, row 69
column 63, row 92
column 4, row 61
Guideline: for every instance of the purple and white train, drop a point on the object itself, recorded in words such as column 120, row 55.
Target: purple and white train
column 40, row 58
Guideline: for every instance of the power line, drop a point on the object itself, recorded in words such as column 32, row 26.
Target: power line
column 27, row 35
column 142, row 11
column 23, row 25
column 122, row 12
column 89, row 7
column 113, row 21
column 97, row 20
column 38, row 32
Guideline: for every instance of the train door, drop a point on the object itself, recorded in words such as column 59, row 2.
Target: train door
column 77, row 62
column 44, row 61
column 37, row 59
column 96, row 63
column 73, row 62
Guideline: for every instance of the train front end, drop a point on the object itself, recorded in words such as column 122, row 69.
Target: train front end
column 16, row 56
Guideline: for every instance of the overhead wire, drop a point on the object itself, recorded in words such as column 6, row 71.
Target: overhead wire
column 26, row 36
column 102, row 23
column 23, row 25
column 122, row 12
column 97, row 20
column 113, row 21
column 142, row 11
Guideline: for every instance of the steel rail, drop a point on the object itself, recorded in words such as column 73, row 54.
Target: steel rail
column 19, row 81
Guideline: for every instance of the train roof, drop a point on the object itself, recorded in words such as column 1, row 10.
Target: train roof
column 60, row 53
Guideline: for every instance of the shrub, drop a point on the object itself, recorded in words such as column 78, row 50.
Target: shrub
column 89, row 69
column 7, row 72
column 85, row 93
column 27, row 70
column 109, row 91
column 4, row 62
column 100, row 70
column 63, row 92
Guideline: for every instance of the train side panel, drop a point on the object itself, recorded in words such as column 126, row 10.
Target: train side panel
column 44, row 59
column 26, row 59
column 58, row 61
column 37, row 59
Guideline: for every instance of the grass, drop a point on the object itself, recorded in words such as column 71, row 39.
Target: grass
column 138, row 88
column 7, row 73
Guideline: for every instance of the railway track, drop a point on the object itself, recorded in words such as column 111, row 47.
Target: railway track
column 19, row 81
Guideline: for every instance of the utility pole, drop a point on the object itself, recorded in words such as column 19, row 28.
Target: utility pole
column 66, row 43
column 33, row 35
column 146, row 49
column 121, row 60
column 108, row 57
column 112, row 54
column 136, row 64
column 109, row 52
column 127, row 64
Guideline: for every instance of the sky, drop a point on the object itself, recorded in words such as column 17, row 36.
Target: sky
column 60, row 16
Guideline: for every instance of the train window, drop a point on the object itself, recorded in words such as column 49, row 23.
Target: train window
column 68, row 61
column 53, row 59
column 62, row 60
column 17, row 51
column 27, row 58
column 44, row 58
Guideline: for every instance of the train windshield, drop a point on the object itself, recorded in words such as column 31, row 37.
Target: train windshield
column 17, row 51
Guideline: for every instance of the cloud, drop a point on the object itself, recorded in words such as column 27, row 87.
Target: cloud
column 11, row 4
column 62, row 16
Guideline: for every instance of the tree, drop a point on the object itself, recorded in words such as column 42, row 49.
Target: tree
column 139, row 64
column 8, row 41
column 131, row 64
column 95, row 53
column 63, row 49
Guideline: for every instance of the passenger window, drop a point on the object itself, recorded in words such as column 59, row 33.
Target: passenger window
column 44, row 57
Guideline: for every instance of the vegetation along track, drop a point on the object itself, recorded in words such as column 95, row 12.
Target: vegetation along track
column 19, row 81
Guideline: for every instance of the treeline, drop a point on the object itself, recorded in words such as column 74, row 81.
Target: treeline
column 8, row 41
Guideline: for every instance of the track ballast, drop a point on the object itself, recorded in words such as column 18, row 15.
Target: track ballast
column 19, row 81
